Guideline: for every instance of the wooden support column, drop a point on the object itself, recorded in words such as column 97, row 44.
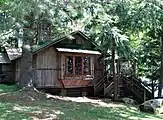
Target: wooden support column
column 63, row 92
column 105, row 89
column 118, row 79
column 84, row 92
column 73, row 66
column 144, row 95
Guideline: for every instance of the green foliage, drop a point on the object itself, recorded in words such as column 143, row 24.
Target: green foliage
column 106, row 26
column 148, row 29
column 149, row 58
column 3, row 2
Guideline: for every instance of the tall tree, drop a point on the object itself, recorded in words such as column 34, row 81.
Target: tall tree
column 26, row 15
column 105, row 28
column 150, row 14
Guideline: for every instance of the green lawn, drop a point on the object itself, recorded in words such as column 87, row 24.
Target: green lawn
column 7, row 88
column 23, row 105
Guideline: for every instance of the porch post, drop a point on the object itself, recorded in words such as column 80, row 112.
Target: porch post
column 63, row 92
column 84, row 92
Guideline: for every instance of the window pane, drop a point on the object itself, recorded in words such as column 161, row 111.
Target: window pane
column 78, row 65
column 87, row 65
column 69, row 63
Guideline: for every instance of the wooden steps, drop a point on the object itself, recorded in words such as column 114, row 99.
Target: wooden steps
column 108, row 90
column 135, row 86
column 100, row 85
column 132, row 84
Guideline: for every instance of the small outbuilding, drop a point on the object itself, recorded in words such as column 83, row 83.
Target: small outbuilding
column 5, row 67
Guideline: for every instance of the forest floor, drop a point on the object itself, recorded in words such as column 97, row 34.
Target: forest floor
column 32, row 105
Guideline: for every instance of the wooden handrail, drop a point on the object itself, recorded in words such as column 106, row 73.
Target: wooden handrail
column 101, row 81
column 125, row 78
column 143, row 84
column 138, row 86
column 100, row 84
column 107, row 89
column 137, row 94
column 110, row 85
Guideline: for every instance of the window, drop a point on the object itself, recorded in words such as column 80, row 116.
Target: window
column 78, row 65
column 87, row 66
column 69, row 63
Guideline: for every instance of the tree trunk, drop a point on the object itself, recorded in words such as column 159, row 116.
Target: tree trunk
column 153, row 89
column 114, row 69
column 25, row 80
column 161, row 71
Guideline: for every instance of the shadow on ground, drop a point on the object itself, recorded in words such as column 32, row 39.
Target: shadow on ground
column 22, row 105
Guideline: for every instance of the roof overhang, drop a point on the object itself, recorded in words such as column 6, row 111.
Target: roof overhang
column 14, row 53
column 4, row 58
column 78, row 51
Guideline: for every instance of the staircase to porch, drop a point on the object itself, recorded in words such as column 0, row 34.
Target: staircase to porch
column 127, row 86
column 139, row 90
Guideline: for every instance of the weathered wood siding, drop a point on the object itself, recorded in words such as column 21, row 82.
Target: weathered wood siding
column 80, row 40
column 46, row 67
column 99, row 68
column 59, row 66
column 49, row 65
column 17, row 64
column 7, row 71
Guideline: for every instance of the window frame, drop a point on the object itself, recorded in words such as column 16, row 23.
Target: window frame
column 73, row 65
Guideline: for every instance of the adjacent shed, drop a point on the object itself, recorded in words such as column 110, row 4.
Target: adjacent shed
column 5, row 67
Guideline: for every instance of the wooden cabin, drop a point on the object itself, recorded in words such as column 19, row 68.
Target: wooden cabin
column 67, row 65
column 71, row 66
column 5, row 67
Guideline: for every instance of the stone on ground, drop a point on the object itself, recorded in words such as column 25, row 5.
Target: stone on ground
column 151, row 106
column 128, row 100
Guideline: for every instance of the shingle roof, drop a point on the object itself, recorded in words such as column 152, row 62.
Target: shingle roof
column 4, row 58
column 14, row 53
column 41, row 47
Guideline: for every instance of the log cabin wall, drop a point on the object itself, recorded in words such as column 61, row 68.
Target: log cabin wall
column 46, row 67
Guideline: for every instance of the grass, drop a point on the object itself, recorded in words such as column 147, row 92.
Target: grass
column 7, row 88
column 30, row 105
